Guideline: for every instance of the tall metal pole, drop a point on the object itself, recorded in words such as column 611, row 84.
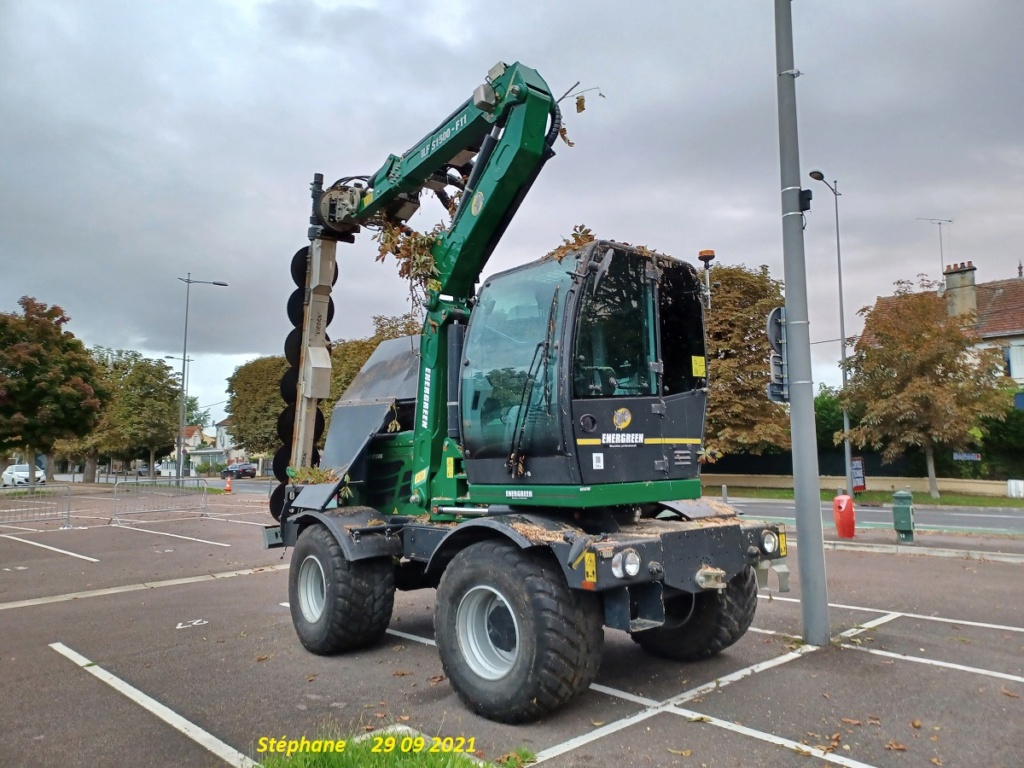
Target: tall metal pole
column 184, row 357
column 806, row 483
column 834, row 189
column 842, row 347
column 184, row 361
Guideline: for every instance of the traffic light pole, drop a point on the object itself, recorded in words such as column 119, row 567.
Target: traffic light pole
column 806, row 483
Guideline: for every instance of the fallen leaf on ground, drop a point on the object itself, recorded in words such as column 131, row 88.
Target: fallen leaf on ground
column 683, row 752
column 935, row 761
column 435, row 679
column 915, row 723
column 895, row 746
column 404, row 718
column 699, row 719
column 311, row 678
column 1011, row 694
column 262, row 658
column 597, row 723
column 379, row 715
column 825, row 695
column 400, row 673
column 851, row 721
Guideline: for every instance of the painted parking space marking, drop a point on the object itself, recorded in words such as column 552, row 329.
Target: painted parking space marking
column 137, row 587
column 47, row 546
column 937, row 663
column 22, row 528
column 206, row 740
column 407, row 636
column 172, row 535
column 771, row 738
column 901, row 614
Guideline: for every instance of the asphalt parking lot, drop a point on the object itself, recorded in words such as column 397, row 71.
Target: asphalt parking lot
column 169, row 642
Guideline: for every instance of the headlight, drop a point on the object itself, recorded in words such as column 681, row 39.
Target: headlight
column 770, row 542
column 625, row 563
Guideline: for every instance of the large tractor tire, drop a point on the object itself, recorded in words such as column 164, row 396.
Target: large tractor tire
column 337, row 605
column 699, row 626
column 515, row 641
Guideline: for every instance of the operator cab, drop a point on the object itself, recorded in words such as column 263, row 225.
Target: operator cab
column 586, row 369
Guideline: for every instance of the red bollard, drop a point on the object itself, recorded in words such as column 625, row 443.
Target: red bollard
column 842, row 512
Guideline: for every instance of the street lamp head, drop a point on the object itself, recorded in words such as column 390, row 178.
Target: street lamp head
column 817, row 175
column 217, row 282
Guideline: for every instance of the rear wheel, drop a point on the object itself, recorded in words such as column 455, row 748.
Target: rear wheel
column 515, row 641
column 337, row 605
column 699, row 626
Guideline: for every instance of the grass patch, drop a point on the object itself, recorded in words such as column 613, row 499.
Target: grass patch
column 380, row 750
column 877, row 497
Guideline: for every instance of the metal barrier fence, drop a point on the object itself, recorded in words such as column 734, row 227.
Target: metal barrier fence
column 36, row 504
column 136, row 495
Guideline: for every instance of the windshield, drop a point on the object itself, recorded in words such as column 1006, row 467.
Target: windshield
column 615, row 333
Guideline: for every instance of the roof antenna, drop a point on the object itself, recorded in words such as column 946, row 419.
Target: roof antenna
column 1020, row 268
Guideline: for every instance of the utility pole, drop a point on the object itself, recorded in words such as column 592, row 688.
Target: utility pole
column 806, row 482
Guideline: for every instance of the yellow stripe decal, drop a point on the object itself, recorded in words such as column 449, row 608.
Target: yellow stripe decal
column 647, row 441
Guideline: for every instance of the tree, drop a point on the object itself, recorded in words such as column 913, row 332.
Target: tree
column 740, row 416
column 145, row 408
column 919, row 379
column 1003, row 443
column 48, row 381
column 254, row 403
column 828, row 417
column 194, row 416
column 254, row 393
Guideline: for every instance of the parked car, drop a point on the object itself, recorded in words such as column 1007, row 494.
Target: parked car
column 17, row 474
column 142, row 468
column 236, row 471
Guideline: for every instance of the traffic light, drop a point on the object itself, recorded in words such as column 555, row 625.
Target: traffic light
column 778, row 386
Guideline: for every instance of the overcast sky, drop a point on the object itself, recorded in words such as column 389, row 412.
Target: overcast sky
column 142, row 141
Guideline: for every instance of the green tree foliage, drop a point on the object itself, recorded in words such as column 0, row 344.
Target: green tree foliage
column 254, row 392
column 740, row 416
column 1003, row 444
column 828, row 417
column 49, row 385
column 918, row 378
column 194, row 416
column 254, row 403
column 145, row 409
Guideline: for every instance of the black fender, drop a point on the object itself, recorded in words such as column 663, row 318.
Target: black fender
column 361, row 532
column 524, row 530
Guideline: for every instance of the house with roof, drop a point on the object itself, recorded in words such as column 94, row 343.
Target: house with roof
column 999, row 311
column 221, row 448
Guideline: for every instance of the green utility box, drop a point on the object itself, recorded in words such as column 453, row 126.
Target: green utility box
column 903, row 515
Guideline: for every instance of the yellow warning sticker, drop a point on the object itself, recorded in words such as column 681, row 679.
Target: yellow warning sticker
column 590, row 567
column 782, row 543
column 700, row 369
column 421, row 477
column 451, row 467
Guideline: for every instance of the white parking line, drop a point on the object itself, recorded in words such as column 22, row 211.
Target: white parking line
column 771, row 738
column 172, row 535
column 47, row 546
column 854, row 631
column 594, row 735
column 20, row 528
column 900, row 614
column 407, row 636
column 937, row 663
column 206, row 740
column 740, row 674
column 136, row 587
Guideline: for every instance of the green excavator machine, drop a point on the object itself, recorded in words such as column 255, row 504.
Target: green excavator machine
column 533, row 454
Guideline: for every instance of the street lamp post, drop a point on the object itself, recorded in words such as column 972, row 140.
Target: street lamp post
column 834, row 189
column 188, row 281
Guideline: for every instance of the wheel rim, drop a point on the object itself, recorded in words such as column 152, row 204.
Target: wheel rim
column 488, row 633
column 312, row 589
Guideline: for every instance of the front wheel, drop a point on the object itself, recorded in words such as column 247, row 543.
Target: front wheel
column 337, row 605
column 699, row 626
column 514, row 640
